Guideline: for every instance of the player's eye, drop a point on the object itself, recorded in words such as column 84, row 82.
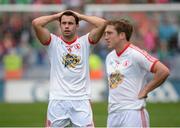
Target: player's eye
column 70, row 23
column 63, row 23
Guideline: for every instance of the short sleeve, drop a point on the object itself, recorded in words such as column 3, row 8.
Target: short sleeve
column 145, row 60
column 85, row 40
column 52, row 44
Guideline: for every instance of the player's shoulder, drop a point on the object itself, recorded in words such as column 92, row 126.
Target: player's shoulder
column 135, row 50
column 54, row 37
column 111, row 54
column 138, row 53
column 84, row 36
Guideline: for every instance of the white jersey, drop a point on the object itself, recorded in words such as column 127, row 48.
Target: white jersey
column 69, row 73
column 127, row 75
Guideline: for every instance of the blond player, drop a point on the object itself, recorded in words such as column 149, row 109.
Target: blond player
column 127, row 68
column 69, row 74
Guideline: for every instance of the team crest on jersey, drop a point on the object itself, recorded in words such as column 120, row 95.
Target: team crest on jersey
column 71, row 60
column 115, row 79
column 126, row 63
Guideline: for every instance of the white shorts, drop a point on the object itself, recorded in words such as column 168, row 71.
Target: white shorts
column 75, row 113
column 129, row 118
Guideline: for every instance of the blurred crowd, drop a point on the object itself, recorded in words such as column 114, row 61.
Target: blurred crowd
column 156, row 32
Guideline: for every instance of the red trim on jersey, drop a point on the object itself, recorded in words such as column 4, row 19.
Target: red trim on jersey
column 121, row 52
column 153, row 65
column 90, row 41
column 143, row 118
column 69, row 43
column 149, row 57
column 47, row 42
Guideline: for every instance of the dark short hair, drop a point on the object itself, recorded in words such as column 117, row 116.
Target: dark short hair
column 69, row 13
column 122, row 25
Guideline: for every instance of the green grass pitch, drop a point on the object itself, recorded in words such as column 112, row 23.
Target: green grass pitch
column 34, row 114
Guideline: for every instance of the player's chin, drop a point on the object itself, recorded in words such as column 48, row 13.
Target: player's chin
column 67, row 34
column 109, row 47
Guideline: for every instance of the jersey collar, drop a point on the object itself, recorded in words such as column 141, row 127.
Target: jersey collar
column 69, row 43
column 121, row 52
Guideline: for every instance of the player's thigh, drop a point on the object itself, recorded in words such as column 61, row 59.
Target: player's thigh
column 129, row 118
column 57, row 114
column 81, row 114
column 114, row 120
column 136, row 118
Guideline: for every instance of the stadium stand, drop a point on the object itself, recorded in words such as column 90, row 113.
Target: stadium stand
column 156, row 32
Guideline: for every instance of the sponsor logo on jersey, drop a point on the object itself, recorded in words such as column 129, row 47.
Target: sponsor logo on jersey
column 71, row 60
column 115, row 79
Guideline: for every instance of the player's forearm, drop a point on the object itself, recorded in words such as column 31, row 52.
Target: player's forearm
column 161, row 72
column 96, row 21
column 43, row 20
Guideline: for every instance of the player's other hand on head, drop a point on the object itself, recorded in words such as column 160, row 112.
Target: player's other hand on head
column 59, row 15
column 76, row 13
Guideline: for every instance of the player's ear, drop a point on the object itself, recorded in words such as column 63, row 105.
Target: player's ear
column 122, row 35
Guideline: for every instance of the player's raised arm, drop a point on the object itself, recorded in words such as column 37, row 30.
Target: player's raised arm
column 161, row 72
column 41, row 31
column 99, row 23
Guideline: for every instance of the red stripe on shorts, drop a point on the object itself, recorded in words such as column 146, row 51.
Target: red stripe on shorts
column 143, row 118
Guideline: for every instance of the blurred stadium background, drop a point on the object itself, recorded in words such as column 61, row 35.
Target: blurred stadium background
column 24, row 66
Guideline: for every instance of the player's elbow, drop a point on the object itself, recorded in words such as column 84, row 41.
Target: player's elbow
column 35, row 23
column 166, row 72
column 104, row 23
column 161, row 70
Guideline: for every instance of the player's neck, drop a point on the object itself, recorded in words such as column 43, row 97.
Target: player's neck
column 69, row 39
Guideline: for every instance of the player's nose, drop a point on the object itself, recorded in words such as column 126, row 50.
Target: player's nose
column 106, row 37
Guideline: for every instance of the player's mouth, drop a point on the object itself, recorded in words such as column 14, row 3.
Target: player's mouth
column 108, row 42
column 67, row 31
